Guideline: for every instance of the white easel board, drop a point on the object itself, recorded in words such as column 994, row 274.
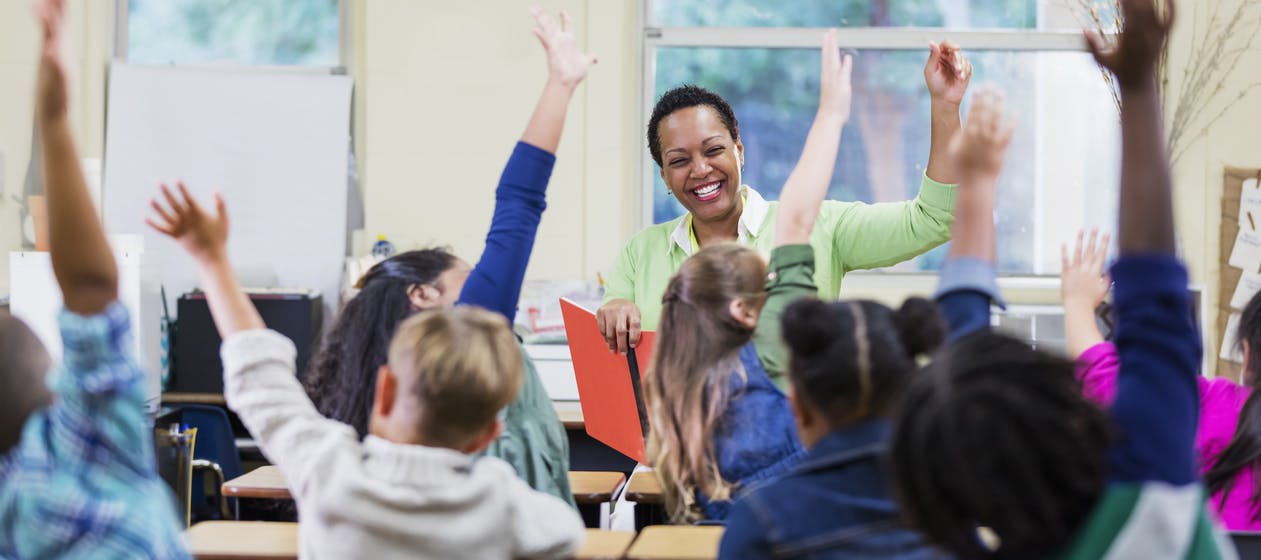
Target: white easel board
column 275, row 143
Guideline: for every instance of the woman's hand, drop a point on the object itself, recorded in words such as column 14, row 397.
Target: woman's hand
column 947, row 73
column 567, row 65
column 619, row 321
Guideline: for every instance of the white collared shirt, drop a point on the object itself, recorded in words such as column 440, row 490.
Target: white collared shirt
column 751, row 218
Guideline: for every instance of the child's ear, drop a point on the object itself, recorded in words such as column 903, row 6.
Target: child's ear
column 387, row 387
column 805, row 418
column 484, row 439
column 424, row 296
column 743, row 312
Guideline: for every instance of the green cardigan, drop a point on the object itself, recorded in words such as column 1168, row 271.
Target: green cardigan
column 847, row 236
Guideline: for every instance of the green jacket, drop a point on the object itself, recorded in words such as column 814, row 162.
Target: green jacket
column 534, row 441
column 847, row 236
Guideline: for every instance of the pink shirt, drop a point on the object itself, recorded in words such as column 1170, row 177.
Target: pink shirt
column 1220, row 403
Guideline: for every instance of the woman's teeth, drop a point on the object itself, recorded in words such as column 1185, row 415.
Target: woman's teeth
column 707, row 192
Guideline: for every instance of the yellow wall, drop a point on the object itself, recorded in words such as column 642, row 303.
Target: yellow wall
column 443, row 89
column 91, row 32
column 1233, row 141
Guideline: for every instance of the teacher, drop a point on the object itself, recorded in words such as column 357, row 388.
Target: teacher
column 694, row 138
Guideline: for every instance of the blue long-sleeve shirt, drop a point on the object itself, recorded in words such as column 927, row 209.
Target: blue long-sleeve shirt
column 495, row 282
column 1153, row 505
column 82, row 481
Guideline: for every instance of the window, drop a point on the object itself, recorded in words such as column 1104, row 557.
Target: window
column 1061, row 170
column 245, row 32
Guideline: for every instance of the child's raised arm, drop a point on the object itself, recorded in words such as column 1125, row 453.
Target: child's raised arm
column 495, row 283
column 567, row 66
column 1146, row 209
column 1157, row 400
column 1083, row 285
column 807, row 185
column 968, row 284
column 82, row 260
column 205, row 236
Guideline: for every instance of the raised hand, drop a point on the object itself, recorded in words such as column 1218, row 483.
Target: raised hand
column 947, row 72
column 980, row 147
column 1083, row 283
column 566, row 63
column 1137, row 49
column 53, row 89
column 203, row 235
column 835, row 88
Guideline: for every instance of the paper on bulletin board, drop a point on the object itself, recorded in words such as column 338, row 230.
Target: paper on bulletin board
column 1247, row 251
column 1250, row 205
column 1248, row 286
column 1229, row 352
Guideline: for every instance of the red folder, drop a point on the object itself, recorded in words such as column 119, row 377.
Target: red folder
column 609, row 385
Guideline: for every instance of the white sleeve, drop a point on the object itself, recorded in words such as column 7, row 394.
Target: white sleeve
column 259, row 386
column 542, row 525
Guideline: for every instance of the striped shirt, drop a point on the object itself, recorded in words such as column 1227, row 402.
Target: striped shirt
column 82, row 482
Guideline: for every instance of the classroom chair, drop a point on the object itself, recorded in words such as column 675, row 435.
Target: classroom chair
column 215, row 454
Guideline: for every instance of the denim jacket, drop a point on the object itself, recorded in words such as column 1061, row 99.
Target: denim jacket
column 835, row 504
column 757, row 437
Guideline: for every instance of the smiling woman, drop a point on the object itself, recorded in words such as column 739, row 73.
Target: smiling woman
column 694, row 138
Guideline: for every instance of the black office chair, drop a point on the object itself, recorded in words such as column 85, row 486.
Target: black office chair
column 1247, row 543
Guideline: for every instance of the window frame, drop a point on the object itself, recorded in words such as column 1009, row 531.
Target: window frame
column 1060, row 33
column 345, row 44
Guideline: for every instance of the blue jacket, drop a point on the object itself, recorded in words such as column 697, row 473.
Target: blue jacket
column 757, row 437
column 835, row 504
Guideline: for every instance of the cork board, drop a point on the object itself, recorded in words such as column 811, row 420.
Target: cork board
column 1228, row 276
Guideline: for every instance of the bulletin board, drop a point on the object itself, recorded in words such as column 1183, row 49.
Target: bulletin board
column 1239, row 262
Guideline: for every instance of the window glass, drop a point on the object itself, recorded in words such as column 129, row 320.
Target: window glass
column 248, row 32
column 1061, row 169
column 952, row 14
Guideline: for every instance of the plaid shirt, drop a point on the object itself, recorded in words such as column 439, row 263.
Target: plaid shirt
column 82, row 483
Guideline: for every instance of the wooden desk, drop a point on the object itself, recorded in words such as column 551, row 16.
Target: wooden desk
column 267, row 482
column 594, row 487
column 570, row 413
column 604, row 544
column 644, row 488
column 263, row 482
column 233, row 540
column 193, row 398
column 676, row 542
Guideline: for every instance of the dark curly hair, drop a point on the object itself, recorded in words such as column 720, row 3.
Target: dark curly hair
column 683, row 97
column 341, row 380
column 852, row 359
column 994, row 434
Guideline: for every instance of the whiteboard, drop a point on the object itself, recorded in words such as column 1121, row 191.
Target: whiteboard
column 275, row 143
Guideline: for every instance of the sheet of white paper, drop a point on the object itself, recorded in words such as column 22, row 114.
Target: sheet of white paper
column 1250, row 205
column 1229, row 352
column 1248, row 286
column 1247, row 251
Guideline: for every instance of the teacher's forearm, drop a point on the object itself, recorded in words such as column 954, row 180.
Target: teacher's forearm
column 945, row 122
